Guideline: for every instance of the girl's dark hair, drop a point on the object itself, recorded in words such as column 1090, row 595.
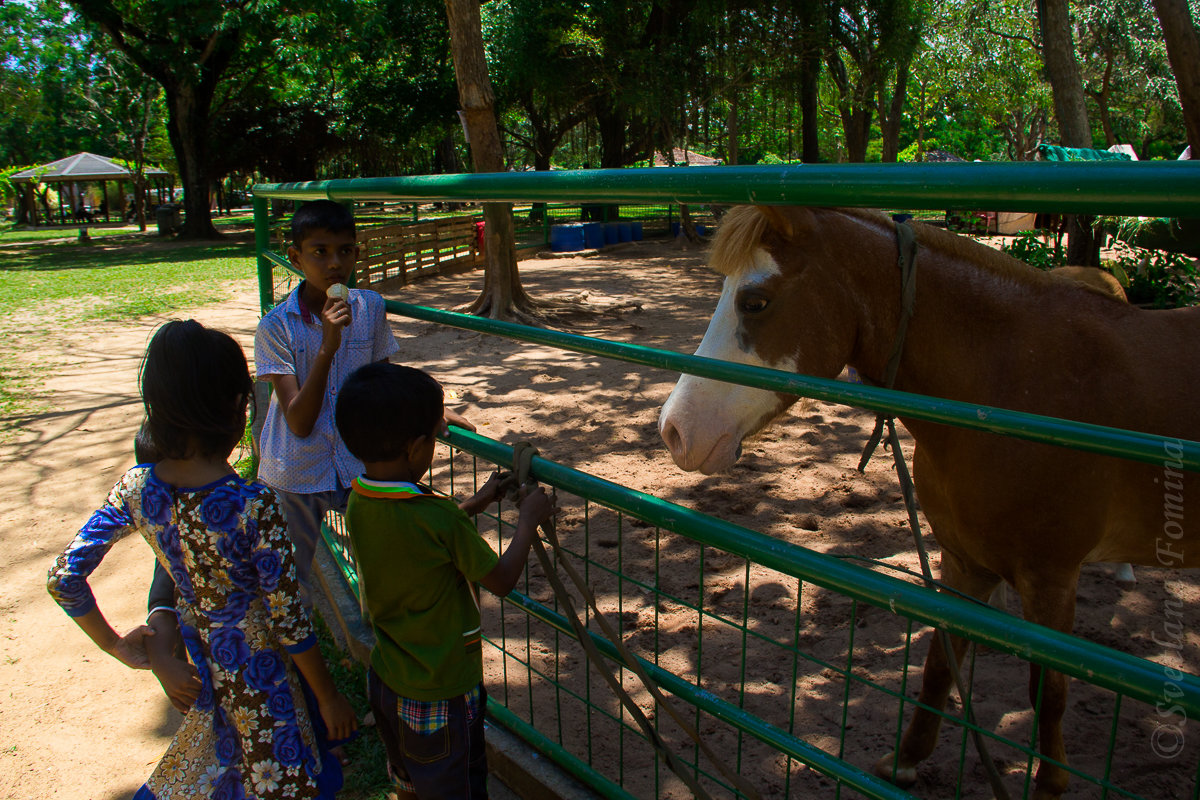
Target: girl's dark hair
column 144, row 450
column 195, row 387
column 383, row 407
column 320, row 215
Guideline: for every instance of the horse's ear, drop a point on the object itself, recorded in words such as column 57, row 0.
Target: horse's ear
column 778, row 219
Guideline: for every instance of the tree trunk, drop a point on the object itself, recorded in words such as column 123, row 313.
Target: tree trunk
column 1062, row 70
column 856, row 123
column 1070, row 107
column 892, row 113
column 732, row 133
column 187, row 130
column 810, row 123
column 502, row 297
column 1183, row 53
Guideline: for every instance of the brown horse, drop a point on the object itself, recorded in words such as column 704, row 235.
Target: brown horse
column 812, row 290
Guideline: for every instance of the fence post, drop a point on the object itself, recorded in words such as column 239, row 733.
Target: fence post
column 262, row 243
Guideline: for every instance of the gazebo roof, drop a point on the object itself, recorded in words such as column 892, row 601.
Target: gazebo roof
column 79, row 167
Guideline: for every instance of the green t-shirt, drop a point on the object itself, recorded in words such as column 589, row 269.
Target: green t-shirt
column 418, row 555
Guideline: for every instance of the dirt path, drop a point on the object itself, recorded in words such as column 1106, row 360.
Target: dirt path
column 74, row 723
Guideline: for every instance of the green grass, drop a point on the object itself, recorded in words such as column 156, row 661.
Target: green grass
column 121, row 281
column 51, row 288
column 11, row 235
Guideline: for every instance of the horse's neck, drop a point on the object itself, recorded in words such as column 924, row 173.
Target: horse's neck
column 960, row 310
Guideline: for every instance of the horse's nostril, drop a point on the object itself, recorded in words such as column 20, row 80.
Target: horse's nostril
column 670, row 436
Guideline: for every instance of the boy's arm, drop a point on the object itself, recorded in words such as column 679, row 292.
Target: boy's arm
column 536, row 508
column 179, row 679
column 487, row 494
column 301, row 404
column 454, row 418
column 339, row 716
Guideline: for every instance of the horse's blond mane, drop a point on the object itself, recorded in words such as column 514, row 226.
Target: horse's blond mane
column 742, row 229
column 738, row 235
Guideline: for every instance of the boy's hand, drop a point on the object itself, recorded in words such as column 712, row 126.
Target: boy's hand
column 536, row 505
column 454, row 418
column 179, row 681
column 339, row 716
column 335, row 316
column 490, row 492
column 492, row 489
column 130, row 649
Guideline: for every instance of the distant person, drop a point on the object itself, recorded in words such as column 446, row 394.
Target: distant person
column 259, row 723
column 418, row 556
column 306, row 347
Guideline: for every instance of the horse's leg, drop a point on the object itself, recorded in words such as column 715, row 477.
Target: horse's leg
column 921, row 735
column 1050, row 600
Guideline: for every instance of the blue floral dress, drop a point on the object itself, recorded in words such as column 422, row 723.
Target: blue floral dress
column 251, row 733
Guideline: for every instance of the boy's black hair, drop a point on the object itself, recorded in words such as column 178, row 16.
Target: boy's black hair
column 195, row 387
column 383, row 407
column 320, row 215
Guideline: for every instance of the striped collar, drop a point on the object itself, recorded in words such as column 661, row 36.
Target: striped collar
column 387, row 490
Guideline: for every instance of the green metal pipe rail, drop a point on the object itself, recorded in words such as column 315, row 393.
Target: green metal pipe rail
column 1098, row 665
column 1168, row 189
column 1153, row 188
column 1047, row 430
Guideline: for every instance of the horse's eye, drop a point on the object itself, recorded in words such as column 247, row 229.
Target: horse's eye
column 753, row 302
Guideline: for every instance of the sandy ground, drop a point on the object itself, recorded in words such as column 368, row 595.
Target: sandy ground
column 76, row 724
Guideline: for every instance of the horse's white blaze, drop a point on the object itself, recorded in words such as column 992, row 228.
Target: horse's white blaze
column 704, row 421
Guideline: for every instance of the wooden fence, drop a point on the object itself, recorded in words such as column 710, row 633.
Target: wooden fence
column 407, row 251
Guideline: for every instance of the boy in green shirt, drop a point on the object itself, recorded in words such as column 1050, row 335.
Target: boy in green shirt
column 418, row 556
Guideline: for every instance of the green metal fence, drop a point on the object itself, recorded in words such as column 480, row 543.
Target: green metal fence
column 793, row 712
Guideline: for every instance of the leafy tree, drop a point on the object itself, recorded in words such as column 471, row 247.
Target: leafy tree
column 983, row 67
column 1125, row 70
column 542, row 48
column 128, row 104
column 875, row 40
column 396, row 78
column 645, row 52
column 1183, row 49
column 45, row 58
column 190, row 47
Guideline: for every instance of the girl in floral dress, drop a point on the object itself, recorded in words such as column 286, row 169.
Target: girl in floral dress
column 267, row 706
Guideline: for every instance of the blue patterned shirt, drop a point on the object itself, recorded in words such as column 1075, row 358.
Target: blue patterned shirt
column 286, row 343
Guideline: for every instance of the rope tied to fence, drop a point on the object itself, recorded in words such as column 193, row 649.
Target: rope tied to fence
column 906, row 246
column 511, row 485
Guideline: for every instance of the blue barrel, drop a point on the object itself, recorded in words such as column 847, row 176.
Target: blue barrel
column 566, row 238
column 674, row 229
column 700, row 230
column 593, row 235
column 637, row 230
column 612, row 233
column 626, row 232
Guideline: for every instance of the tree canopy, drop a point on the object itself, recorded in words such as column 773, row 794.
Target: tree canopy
column 299, row 90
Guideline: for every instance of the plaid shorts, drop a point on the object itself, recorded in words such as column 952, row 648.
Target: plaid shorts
column 434, row 748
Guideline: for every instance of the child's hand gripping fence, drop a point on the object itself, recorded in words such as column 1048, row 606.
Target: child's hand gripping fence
column 512, row 483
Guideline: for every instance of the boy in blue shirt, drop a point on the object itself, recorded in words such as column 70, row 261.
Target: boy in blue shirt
column 306, row 347
column 418, row 555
